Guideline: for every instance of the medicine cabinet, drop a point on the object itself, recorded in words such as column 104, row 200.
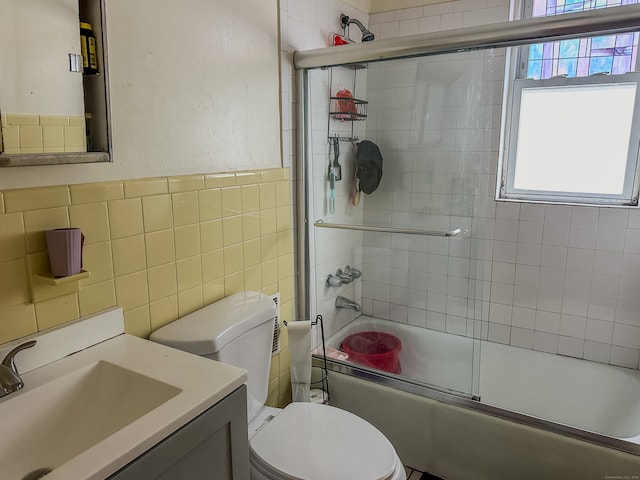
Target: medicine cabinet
column 53, row 109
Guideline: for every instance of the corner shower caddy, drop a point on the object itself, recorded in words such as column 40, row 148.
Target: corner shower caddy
column 349, row 109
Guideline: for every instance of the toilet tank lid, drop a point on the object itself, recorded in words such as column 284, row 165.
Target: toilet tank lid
column 207, row 330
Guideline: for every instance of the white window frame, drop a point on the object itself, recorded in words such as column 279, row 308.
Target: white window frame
column 505, row 191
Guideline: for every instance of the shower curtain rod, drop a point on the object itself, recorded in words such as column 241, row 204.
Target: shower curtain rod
column 624, row 19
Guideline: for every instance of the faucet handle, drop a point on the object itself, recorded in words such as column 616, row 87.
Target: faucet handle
column 9, row 359
column 333, row 281
column 354, row 272
column 344, row 276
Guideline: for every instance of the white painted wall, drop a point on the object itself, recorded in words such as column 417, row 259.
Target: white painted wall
column 194, row 89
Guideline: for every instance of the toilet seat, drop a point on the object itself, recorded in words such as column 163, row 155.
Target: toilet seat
column 309, row 441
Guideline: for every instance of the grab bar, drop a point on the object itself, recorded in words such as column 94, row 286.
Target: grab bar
column 374, row 228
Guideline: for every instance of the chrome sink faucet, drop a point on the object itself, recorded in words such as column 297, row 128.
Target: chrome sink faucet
column 342, row 302
column 10, row 380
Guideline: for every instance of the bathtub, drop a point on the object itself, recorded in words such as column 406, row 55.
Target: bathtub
column 473, row 409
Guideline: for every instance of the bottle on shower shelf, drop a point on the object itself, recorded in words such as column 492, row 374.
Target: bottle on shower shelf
column 348, row 105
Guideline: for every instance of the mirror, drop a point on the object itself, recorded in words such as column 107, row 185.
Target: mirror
column 53, row 95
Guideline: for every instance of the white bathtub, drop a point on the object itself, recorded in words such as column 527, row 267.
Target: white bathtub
column 573, row 401
column 590, row 396
column 427, row 356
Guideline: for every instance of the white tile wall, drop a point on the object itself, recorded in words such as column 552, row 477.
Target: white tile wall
column 553, row 278
column 558, row 279
column 439, row 197
column 307, row 24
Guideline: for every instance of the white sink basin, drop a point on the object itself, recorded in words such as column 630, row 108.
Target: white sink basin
column 59, row 420
column 89, row 414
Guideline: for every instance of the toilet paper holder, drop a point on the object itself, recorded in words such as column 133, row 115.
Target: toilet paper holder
column 323, row 383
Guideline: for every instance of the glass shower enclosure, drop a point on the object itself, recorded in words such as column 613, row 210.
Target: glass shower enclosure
column 397, row 193
column 415, row 240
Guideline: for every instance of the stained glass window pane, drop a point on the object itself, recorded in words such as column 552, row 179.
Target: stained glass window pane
column 605, row 41
column 600, row 65
column 573, row 6
column 534, row 69
column 616, row 54
column 569, row 48
column 624, row 40
column 621, row 65
column 535, row 52
column 568, row 67
column 583, row 67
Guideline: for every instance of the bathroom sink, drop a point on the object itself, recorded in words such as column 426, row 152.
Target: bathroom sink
column 56, row 421
column 95, row 399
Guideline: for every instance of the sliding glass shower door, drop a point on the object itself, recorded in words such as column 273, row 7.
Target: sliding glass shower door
column 435, row 121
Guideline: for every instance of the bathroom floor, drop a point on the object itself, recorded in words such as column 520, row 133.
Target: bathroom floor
column 416, row 475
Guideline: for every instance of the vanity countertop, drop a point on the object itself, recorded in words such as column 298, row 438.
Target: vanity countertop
column 106, row 404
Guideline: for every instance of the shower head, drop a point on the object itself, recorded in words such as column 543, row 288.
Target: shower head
column 345, row 21
column 367, row 36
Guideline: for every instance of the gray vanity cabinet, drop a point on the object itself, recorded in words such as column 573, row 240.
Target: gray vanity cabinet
column 213, row 446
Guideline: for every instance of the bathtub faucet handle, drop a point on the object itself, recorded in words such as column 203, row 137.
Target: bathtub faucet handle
column 354, row 272
column 333, row 281
column 344, row 276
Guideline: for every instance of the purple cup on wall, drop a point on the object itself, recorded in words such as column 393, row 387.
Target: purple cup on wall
column 65, row 251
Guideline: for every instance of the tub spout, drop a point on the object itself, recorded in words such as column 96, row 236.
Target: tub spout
column 342, row 302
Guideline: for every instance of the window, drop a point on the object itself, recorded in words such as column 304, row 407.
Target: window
column 571, row 129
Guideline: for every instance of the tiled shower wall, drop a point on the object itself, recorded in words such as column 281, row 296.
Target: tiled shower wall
column 307, row 24
column 334, row 249
column 159, row 248
column 432, row 118
column 558, row 279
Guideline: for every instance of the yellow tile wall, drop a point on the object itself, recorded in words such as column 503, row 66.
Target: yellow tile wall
column 160, row 248
column 42, row 134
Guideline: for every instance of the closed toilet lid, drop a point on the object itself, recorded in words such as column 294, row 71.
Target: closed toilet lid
column 318, row 442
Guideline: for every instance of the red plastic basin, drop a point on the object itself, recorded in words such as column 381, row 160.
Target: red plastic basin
column 374, row 349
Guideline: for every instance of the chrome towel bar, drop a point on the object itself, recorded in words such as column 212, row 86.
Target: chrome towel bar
column 374, row 228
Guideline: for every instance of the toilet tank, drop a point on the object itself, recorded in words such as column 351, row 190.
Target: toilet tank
column 237, row 330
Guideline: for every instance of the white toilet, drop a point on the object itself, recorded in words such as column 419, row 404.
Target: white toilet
column 303, row 441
